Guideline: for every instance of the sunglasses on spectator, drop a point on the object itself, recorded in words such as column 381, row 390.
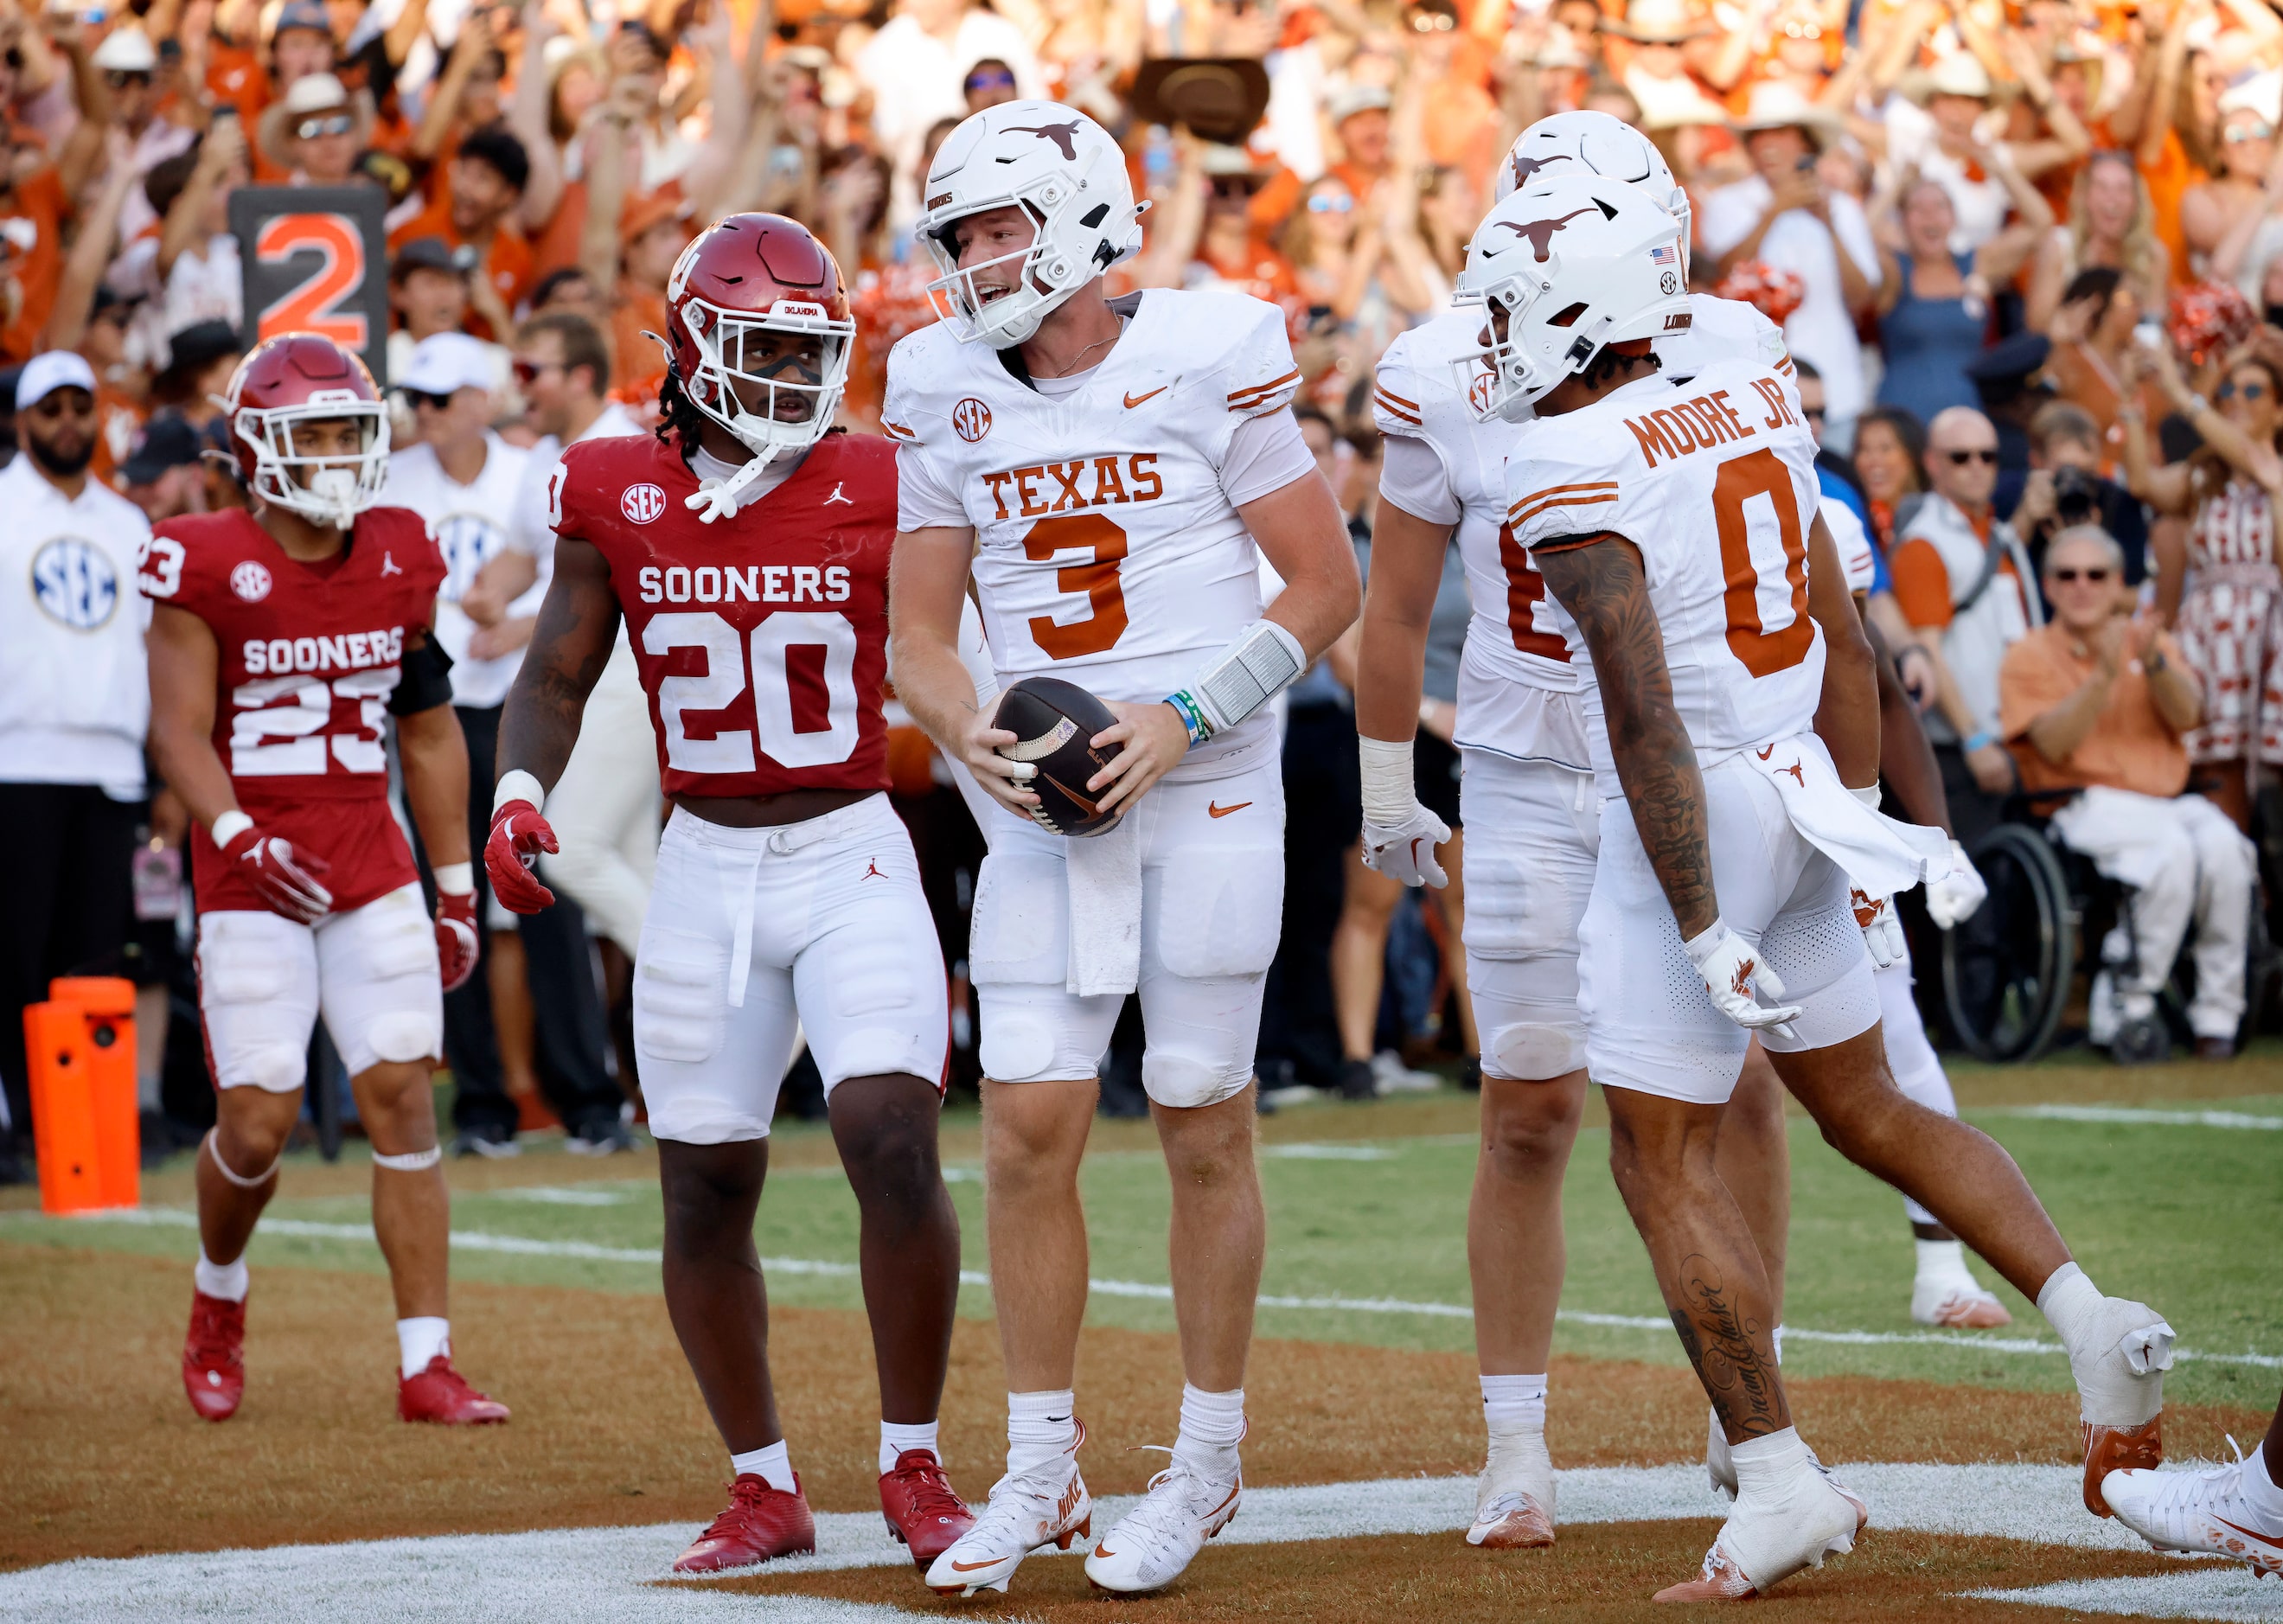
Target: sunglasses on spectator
column 2250, row 392
column 1988, row 455
column 1432, row 22
column 2240, row 133
column 1802, row 30
column 331, row 124
column 127, row 78
column 417, row 398
column 527, row 372
column 1330, row 203
column 2070, row 577
column 991, row 79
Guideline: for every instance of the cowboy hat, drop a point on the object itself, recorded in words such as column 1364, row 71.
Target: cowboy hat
column 1659, row 22
column 1776, row 105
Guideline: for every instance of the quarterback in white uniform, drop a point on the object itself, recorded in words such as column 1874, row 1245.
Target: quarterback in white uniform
column 1674, row 527
column 1102, row 470
column 1531, row 812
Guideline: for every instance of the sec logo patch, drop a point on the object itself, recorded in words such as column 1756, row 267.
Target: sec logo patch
column 1669, row 283
column 250, row 580
column 75, row 583
column 972, row 419
column 642, row 503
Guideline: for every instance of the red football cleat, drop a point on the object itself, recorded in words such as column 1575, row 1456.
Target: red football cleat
column 760, row 1523
column 441, row 1394
column 214, row 1356
column 922, row 1512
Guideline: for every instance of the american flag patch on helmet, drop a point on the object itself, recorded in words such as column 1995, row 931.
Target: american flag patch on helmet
column 1665, row 253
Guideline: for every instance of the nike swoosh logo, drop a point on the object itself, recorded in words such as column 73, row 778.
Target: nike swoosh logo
column 1765, row 753
column 2263, row 1539
column 1213, row 811
column 971, row 1567
column 1132, row 401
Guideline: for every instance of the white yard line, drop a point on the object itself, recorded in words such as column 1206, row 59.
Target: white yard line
column 2132, row 1115
column 477, row 1240
column 2205, row 1592
column 576, row 1574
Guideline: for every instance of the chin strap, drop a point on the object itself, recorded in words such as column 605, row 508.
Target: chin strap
column 718, row 498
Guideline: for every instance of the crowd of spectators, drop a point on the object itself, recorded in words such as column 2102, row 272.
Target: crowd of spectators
column 2028, row 254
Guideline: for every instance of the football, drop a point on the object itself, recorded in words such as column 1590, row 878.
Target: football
column 1052, row 720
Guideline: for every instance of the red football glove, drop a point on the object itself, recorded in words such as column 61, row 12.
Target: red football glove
column 289, row 882
column 457, row 941
column 518, row 835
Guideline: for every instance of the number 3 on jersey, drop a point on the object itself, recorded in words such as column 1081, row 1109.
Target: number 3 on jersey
column 1096, row 578
column 804, row 663
column 1761, row 473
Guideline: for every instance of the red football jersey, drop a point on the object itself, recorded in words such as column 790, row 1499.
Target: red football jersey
column 762, row 638
column 308, row 658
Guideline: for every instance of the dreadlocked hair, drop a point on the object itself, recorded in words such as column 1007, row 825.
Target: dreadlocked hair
column 677, row 414
column 1618, row 360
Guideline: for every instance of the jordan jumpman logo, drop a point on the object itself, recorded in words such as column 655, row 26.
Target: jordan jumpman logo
column 389, row 566
column 837, row 497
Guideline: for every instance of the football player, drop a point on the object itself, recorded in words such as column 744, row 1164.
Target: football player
column 1531, row 811
column 1108, row 473
column 1676, row 528
column 282, row 639
column 746, row 548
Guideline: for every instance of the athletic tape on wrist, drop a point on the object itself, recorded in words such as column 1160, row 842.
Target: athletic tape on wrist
column 1388, row 790
column 411, row 1161
column 213, row 1148
column 229, row 825
column 519, row 785
column 1263, row 661
column 455, row 878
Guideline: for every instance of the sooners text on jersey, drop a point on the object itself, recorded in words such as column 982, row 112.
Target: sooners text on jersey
column 762, row 641
column 308, row 658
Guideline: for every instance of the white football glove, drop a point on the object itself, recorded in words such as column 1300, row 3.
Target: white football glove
column 1882, row 932
column 1735, row 975
column 1954, row 897
column 1405, row 850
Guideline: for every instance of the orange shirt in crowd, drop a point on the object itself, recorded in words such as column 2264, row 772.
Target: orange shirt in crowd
column 119, row 419
column 2130, row 747
column 38, row 269
column 1922, row 581
column 507, row 261
column 2168, row 181
column 235, row 74
column 638, row 365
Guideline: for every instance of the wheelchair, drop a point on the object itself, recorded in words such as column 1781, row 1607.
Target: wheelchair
column 2011, row 973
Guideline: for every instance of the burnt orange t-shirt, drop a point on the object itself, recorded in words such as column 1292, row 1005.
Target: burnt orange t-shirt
column 1921, row 580
column 637, row 364
column 119, row 419
column 2130, row 747
column 507, row 261
column 38, row 269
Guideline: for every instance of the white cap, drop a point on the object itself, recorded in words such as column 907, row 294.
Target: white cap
column 125, row 50
column 445, row 361
column 315, row 93
column 50, row 371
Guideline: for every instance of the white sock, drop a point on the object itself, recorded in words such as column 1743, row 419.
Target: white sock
column 1943, row 1260
column 2072, row 1304
column 1513, row 1407
column 771, row 1465
column 227, row 1281
column 895, row 1438
column 1040, row 1427
column 1212, row 1425
column 1766, row 1466
column 419, row 1340
column 1775, row 1338
column 2259, row 1487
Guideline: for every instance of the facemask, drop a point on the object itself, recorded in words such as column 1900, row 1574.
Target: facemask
column 337, row 488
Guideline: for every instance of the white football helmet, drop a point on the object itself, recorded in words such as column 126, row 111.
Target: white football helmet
column 1564, row 267
column 1563, row 141
column 1063, row 169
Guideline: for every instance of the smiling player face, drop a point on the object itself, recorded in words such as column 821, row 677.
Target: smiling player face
column 990, row 247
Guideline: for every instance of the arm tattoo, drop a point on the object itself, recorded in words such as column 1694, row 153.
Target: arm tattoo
column 1602, row 586
column 1724, row 1348
column 578, row 625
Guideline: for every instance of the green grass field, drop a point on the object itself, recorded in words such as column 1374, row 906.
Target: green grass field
column 2181, row 1214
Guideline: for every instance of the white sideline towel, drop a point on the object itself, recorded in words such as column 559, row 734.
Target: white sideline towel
column 1875, row 852
column 1105, row 910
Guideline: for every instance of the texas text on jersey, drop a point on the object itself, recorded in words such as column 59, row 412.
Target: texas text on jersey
column 1107, row 542
column 307, row 659
column 1653, row 463
column 763, row 662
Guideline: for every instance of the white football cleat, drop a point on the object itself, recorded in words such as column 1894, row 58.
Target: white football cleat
column 1150, row 1545
column 1514, row 1498
column 2121, row 1395
column 2197, row 1511
column 1046, row 1507
column 1762, row 1545
column 1960, row 1305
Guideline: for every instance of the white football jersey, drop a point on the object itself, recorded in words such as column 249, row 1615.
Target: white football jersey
column 1519, row 634
column 1716, row 485
column 1108, row 551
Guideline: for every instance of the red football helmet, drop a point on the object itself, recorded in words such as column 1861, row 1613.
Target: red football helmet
column 741, row 277
column 304, row 378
